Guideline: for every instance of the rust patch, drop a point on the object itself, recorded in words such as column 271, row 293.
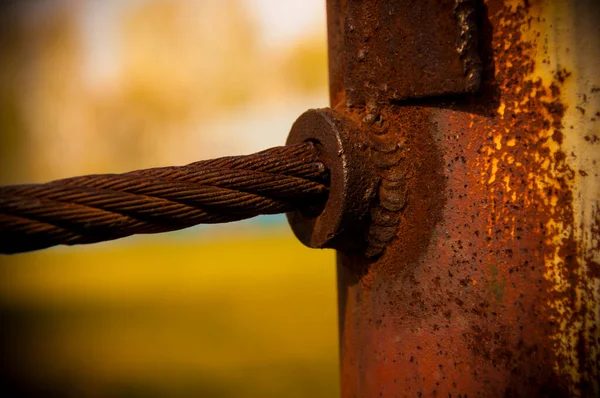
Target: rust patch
column 392, row 54
column 408, row 202
column 485, row 295
column 388, row 156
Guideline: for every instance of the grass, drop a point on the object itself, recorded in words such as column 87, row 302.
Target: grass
column 239, row 317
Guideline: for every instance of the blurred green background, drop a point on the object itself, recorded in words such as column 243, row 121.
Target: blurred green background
column 238, row 310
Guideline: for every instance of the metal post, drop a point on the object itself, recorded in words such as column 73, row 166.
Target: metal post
column 482, row 273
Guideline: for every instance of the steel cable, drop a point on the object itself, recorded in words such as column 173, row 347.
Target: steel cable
column 103, row 207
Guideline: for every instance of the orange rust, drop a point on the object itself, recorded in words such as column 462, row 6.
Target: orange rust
column 482, row 291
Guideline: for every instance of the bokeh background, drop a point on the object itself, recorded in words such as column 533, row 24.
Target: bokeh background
column 240, row 310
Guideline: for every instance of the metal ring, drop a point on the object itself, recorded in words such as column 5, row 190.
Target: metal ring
column 341, row 222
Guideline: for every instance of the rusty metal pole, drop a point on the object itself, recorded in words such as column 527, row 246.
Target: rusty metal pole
column 481, row 275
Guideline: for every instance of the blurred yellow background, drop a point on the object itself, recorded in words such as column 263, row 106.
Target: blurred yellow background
column 238, row 310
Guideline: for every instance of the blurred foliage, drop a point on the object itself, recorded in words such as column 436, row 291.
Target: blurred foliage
column 202, row 54
column 156, row 316
column 176, row 66
column 306, row 65
column 12, row 139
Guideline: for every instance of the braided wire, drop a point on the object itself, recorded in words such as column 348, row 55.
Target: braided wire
column 102, row 207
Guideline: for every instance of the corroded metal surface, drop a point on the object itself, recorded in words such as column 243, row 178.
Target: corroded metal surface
column 488, row 283
column 384, row 44
column 342, row 149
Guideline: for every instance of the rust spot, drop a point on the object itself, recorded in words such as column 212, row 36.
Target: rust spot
column 478, row 290
column 390, row 56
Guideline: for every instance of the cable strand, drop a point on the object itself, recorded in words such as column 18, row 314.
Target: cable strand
column 101, row 207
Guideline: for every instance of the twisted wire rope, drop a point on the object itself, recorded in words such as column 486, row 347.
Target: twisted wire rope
column 102, row 207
